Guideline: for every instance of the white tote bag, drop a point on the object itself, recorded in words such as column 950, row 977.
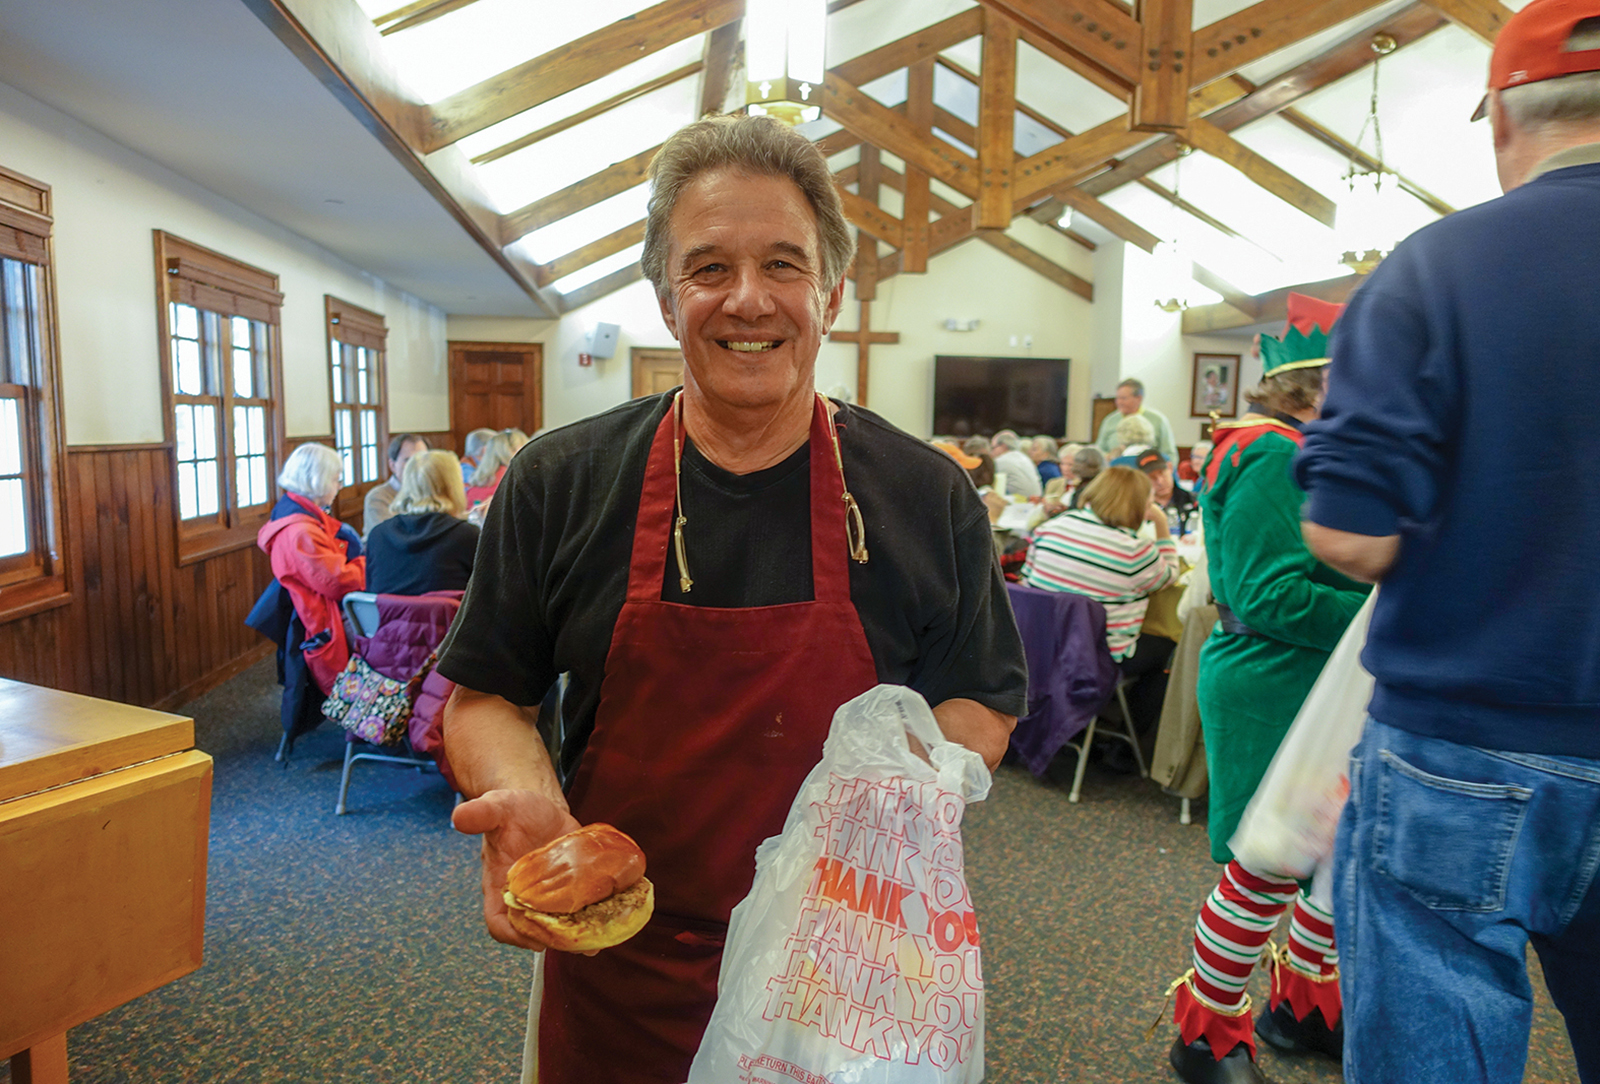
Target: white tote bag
column 1289, row 825
column 855, row 956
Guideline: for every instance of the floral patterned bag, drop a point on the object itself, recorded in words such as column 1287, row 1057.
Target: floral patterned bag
column 371, row 706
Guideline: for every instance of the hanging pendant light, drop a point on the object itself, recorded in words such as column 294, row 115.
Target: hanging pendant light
column 1368, row 223
column 784, row 58
column 1173, row 269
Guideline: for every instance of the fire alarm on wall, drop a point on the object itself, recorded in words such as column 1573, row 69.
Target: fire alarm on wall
column 586, row 360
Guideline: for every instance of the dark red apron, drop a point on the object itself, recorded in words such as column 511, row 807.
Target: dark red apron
column 709, row 720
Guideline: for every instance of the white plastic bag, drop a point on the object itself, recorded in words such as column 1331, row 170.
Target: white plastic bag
column 1289, row 825
column 854, row 959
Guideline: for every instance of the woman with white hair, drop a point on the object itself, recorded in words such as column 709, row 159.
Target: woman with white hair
column 316, row 559
column 426, row 545
column 492, row 464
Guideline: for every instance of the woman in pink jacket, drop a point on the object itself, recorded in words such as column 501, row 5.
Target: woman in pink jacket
column 314, row 557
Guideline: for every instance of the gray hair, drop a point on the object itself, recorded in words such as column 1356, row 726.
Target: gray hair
column 312, row 471
column 1136, row 385
column 1007, row 439
column 496, row 454
column 1046, row 446
column 1088, row 462
column 477, row 440
column 759, row 146
column 1134, row 429
column 1564, row 99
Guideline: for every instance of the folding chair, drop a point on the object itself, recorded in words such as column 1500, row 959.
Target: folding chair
column 363, row 620
column 1082, row 746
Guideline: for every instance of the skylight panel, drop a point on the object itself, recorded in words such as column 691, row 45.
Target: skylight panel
column 570, row 156
column 461, row 49
column 576, row 230
column 599, row 269
column 862, row 28
column 672, row 58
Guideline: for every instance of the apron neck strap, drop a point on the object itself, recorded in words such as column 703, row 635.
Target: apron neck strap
column 838, row 530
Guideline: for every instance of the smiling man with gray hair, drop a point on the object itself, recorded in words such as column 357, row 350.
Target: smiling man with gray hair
column 718, row 569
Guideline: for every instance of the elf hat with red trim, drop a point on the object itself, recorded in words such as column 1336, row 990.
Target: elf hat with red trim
column 1532, row 46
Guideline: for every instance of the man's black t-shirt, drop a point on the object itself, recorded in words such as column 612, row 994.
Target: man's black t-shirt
column 552, row 566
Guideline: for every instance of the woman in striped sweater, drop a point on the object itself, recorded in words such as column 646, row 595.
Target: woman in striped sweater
column 1096, row 551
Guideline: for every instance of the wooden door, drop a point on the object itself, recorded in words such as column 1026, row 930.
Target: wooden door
column 1102, row 409
column 656, row 370
column 495, row 386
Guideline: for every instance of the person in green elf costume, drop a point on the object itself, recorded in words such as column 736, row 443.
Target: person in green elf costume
column 1282, row 612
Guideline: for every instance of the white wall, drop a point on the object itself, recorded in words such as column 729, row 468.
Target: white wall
column 107, row 200
column 973, row 281
column 1155, row 350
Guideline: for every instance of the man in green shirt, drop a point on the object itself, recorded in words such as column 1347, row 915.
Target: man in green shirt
column 1130, row 400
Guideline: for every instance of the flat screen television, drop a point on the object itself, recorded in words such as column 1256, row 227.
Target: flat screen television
column 984, row 395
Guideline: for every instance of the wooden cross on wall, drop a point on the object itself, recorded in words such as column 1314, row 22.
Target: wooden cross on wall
column 863, row 337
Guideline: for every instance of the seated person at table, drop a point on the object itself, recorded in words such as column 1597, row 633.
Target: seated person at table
column 1133, row 435
column 492, row 464
column 1189, row 469
column 1086, row 465
column 1096, row 551
column 426, row 545
column 1179, row 504
column 1043, row 452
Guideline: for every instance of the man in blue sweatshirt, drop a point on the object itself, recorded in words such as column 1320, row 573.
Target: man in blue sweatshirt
column 1465, row 381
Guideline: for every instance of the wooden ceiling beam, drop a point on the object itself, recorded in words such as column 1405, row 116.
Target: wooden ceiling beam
column 1161, row 95
column 721, row 56
column 1042, row 174
column 1117, row 224
column 1229, row 44
column 573, row 64
column 917, row 195
column 906, row 51
column 1098, row 34
column 1023, row 108
column 593, row 111
column 600, row 287
column 868, row 170
column 871, row 219
column 423, row 11
column 1350, row 54
column 1480, row 18
column 997, row 121
column 882, row 127
column 1280, row 182
column 1038, row 263
column 595, row 251
column 615, row 178
column 947, row 121
column 1268, row 308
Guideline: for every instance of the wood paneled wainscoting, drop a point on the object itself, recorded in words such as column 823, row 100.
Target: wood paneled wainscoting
column 139, row 628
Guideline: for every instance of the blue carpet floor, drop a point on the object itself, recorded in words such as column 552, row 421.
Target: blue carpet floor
column 351, row 948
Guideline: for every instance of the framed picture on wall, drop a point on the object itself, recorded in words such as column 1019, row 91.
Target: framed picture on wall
column 1216, row 386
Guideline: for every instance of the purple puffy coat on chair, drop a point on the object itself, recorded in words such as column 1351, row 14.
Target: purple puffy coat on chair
column 410, row 628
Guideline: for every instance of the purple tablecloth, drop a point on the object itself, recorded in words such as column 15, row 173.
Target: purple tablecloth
column 1070, row 672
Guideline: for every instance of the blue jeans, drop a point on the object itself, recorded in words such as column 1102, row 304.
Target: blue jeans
column 1450, row 859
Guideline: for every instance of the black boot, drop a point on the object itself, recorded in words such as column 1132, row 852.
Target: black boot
column 1195, row 1063
column 1309, row 1036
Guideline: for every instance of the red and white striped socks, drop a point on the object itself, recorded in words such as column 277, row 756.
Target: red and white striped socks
column 1233, row 928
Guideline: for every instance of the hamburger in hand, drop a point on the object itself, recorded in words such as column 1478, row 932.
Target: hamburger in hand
column 582, row 891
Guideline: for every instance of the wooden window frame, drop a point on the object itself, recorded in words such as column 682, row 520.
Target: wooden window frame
column 359, row 328
column 190, row 274
column 37, row 579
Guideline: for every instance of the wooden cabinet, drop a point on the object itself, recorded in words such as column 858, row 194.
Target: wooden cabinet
column 105, row 811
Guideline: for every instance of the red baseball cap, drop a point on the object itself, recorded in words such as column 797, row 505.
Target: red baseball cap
column 1532, row 46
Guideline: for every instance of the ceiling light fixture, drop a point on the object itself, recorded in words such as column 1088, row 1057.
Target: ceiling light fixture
column 783, row 50
column 1368, row 222
column 1174, row 275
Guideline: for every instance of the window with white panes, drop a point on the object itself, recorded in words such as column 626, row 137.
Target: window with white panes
column 19, row 337
column 32, row 564
column 220, row 321
column 220, row 403
column 355, row 358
